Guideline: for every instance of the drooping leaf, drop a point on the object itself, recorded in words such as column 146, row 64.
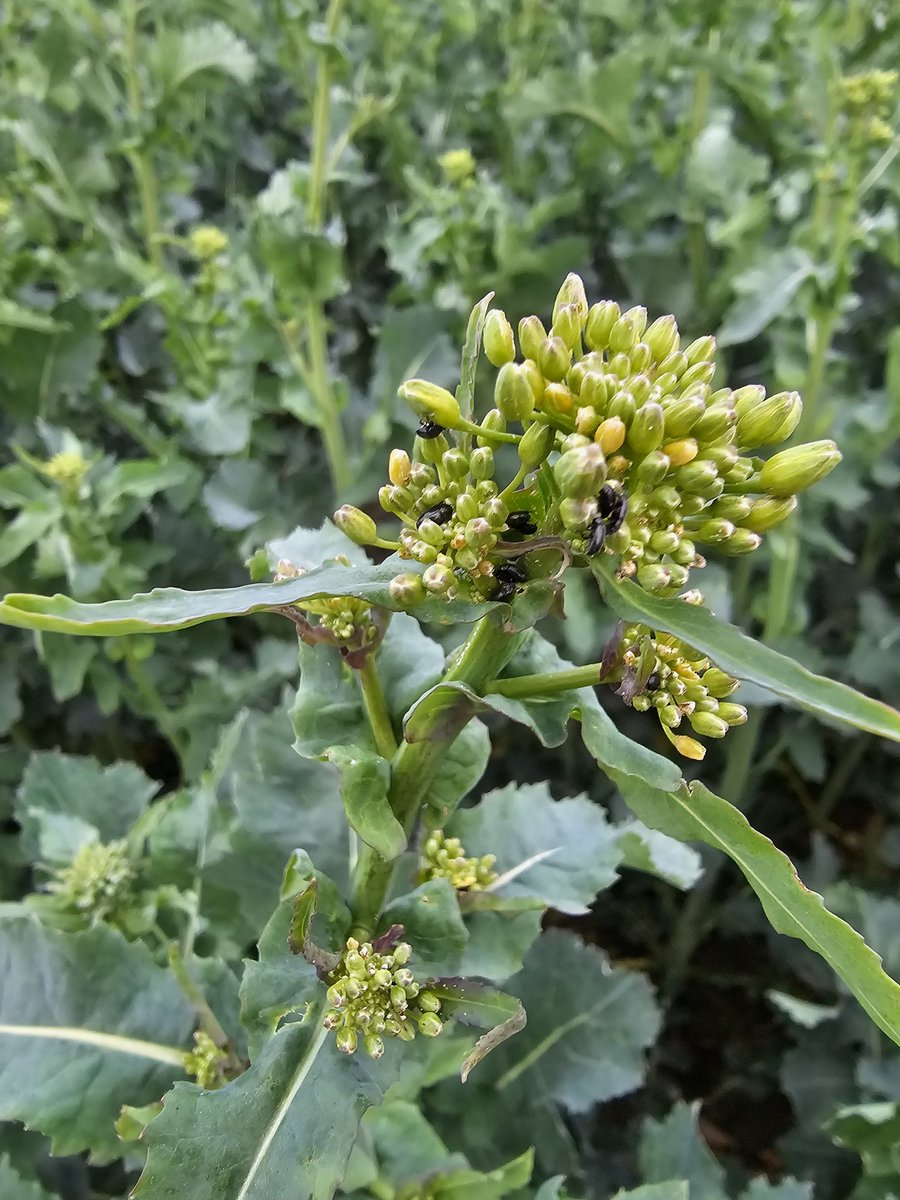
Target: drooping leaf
column 696, row 813
column 166, row 609
column 88, row 1022
column 482, row 1007
column 742, row 656
column 365, row 779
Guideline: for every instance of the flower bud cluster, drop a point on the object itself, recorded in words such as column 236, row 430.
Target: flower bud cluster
column 206, row 1062
column 668, row 453
column 445, row 858
column 346, row 618
column 373, row 996
column 868, row 100
column 208, row 241
column 658, row 671
column 99, row 881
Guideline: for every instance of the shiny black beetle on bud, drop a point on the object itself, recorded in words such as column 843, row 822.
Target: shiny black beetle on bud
column 521, row 522
column 440, row 514
column 429, row 429
column 612, row 507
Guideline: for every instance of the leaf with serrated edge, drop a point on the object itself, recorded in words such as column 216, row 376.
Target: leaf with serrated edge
column 742, row 656
column 696, row 813
column 484, row 1007
column 88, row 1022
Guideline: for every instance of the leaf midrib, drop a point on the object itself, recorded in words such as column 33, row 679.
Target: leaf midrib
column 115, row 1042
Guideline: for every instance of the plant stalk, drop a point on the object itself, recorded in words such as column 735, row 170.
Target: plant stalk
column 148, row 188
column 549, row 683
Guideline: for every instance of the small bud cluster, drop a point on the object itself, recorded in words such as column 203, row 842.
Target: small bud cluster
column 206, row 1062
column 208, row 241
column 661, row 672
column 99, row 880
column 67, row 468
column 868, row 100
column 346, row 618
column 374, row 995
column 445, row 858
column 458, row 166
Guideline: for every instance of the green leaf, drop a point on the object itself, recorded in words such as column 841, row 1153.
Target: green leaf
column 672, row 1148
column 328, row 709
column 873, row 1131
column 365, row 779
column 585, row 1039
column 482, row 1007
column 433, row 926
column 673, row 1190
column 166, row 609
column 499, row 939
column 465, row 393
column 208, row 47
column 518, row 823
column 462, row 766
column 649, row 850
column 284, row 1128
column 787, row 1189
column 735, row 652
column 23, row 531
column 67, row 661
column 695, row 813
column 764, row 291
column 56, row 788
column 14, row 1187
column 88, row 1022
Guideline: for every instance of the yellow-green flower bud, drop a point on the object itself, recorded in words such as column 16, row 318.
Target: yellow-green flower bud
column 734, row 508
column 499, row 343
column 493, row 422
column 567, row 324
column 429, row 400
column 645, row 433
column 771, row 421
column 456, row 464
column 512, row 393
column 794, row 470
column 532, row 336
column 577, row 514
column 623, row 406
column 554, row 359
column 697, row 475
column 640, row 358
column 716, row 421
column 373, row 1045
column 600, row 321
column 594, row 391
column 707, row 724
column 579, row 473
column 496, row 512
column 715, row 530
column 466, row 506
column 742, row 541
column 357, row 525
column 624, row 335
column 701, row 350
column 437, row 579
column 662, row 337
column 429, row 1024
column 768, row 512
column 399, row 468
column 432, row 533
column 573, row 295
column 610, row 435
column 428, row 1002
column 347, row 1040
column 481, row 463
column 682, row 415
column 746, row 399
column 653, row 467
column 664, row 541
column 654, row 577
column 479, row 533
column 732, row 714
column 536, row 444
column 208, row 241
column 719, row 683
column 431, row 450
column 558, row 399
column 682, row 451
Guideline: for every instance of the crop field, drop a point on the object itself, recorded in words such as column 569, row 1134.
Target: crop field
column 450, row 620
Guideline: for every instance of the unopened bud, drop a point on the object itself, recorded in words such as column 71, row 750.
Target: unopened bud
column 357, row 525
column 718, row 683
column 701, row 350
column 794, row 470
column 771, row 421
column 610, row 435
column 554, row 359
column 499, row 343
column 429, row 400
column 456, row 464
column 568, row 325
column 645, row 433
column 716, row 421
column 742, row 541
column 594, row 390
column 732, row 714
column 373, row 1045
column 428, row 1002
column 682, row 415
column 577, row 514
column 746, row 399
column 734, row 508
column 654, row 577
column 347, row 1040
column 512, row 393
column 431, row 450
column 580, row 472
column 571, row 294
column 429, row 1024
column 437, row 578
column 768, row 512
column 652, row 468
column 536, row 444
column 481, row 463
column 662, row 337
column 532, row 336
column 623, row 406
column 625, row 334
column 600, row 321
column 697, row 475
column 707, row 724
column 681, row 452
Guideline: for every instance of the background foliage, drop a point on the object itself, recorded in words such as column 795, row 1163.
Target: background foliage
column 174, row 399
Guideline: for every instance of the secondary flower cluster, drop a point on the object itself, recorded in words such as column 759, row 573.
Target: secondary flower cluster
column 374, row 995
column 445, row 858
column 206, row 1062
column 345, row 618
column 98, row 882
column 626, row 449
column 658, row 671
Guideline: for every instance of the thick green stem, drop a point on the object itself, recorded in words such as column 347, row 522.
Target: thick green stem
column 415, row 765
column 148, row 189
column 547, row 684
column 376, row 709
column 209, row 1022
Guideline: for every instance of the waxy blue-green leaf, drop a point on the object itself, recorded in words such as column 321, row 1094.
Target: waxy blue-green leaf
column 742, row 656
column 365, row 779
column 88, row 1022
column 433, row 926
column 673, row 1149
column 480, row 1006
column 14, row 1187
column 694, row 813
column 166, row 609
column 284, row 1128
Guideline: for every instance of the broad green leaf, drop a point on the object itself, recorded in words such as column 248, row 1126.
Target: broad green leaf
column 695, row 813
column 462, row 766
column 586, row 1033
column 873, row 1131
column 88, row 1022
column 499, row 939
column 409, row 662
column 673, row 1190
column 284, row 1128
column 735, row 652
column 18, row 317
column 433, row 926
column 616, row 752
column 672, row 1149
column 649, row 850
column 23, row 531
column 365, row 779
column 763, row 292
column 14, row 1187
column 328, row 709
column 214, row 46
column 57, row 788
column 518, row 823
column 166, row 609
column 67, row 660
